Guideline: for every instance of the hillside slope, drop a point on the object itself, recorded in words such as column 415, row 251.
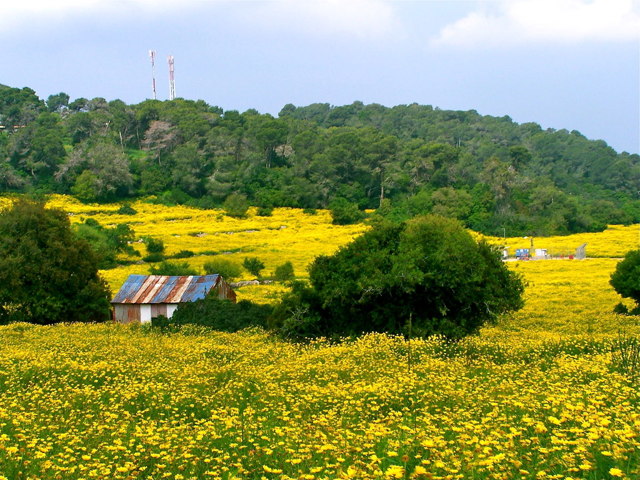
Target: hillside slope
column 491, row 173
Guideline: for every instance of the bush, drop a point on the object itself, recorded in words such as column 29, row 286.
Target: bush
column 621, row 309
column 126, row 209
column 154, row 245
column 222, row 315
column 422, row 277
column 626, row 278
column 284, row 272
column 183, row 254
column 171, row 269
column 153, row 258
column 236, row 205
column 264, row 211
column 225, row 268
column 253, row 265
column 344, row 212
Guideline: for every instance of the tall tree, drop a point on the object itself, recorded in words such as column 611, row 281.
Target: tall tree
column 47, row 274
column 99, row 171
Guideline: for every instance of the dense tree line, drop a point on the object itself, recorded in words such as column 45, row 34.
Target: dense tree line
column 490, row 173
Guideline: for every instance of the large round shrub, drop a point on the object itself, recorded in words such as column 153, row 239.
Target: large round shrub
column 626, row 278
column 425, row 276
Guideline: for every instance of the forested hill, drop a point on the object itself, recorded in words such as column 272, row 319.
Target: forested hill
column 489, row 172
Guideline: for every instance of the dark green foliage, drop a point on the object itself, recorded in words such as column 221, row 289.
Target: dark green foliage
column 171, row 268
column 19, row 106
column 253, row 265
column 626, row 278
column 236, row 205
column 227, row 269
column 344, row 212
column 183, row 254
column 126, row 209
column 300, row 315
column 153, row 257
column 154, row 245
column 99, row 172
column 621, row 309
column 284, row 272
column 47, row 273
column 106, row 242
column 264, row 211
column 222, row 315
column 426, row 276
column 57, row 103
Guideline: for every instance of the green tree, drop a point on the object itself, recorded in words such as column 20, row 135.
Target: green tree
column 57, row 103
column 253, row 265
column 189, row 171
column 101, row 172
column 425, row 276
column 626, row 278
column 452, row 203
column 227, row 269
column 38, row 149
column 18, row 106
column 47, row 274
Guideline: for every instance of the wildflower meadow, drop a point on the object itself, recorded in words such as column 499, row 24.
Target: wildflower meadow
column 551, row 392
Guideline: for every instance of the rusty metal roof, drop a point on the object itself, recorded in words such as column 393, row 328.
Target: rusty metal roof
column 164, row 289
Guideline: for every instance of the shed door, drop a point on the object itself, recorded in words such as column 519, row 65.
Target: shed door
column 158, row 309
column 127, row 313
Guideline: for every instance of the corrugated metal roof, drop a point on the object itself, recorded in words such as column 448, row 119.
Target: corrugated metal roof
column 164, row 289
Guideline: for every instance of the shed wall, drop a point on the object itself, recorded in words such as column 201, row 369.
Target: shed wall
column 145, row 313
column 136, row 313
column 127, row 313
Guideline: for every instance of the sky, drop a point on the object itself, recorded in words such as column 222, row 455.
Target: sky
column 564, row 64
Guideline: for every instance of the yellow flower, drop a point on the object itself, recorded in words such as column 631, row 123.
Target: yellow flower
column 394, row 471
column 419, row 470
column 616, row 472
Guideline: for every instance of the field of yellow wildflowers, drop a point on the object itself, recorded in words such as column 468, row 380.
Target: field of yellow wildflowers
column 548, row 393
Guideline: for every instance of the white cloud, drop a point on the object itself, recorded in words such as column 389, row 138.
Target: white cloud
column 509, row 22
column 360, row 18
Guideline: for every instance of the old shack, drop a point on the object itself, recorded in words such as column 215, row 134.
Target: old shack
column 143, row 297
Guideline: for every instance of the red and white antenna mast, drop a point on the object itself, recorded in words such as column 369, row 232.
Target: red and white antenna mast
column 172, row 80
column 152, row 56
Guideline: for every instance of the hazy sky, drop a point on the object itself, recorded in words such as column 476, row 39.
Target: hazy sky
column 571, row 64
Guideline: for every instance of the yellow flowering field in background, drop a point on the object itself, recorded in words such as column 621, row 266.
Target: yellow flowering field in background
column 287, row 235
column 615, row 241
column 550, row 392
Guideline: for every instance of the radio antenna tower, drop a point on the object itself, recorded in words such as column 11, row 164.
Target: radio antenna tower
column 152, row 56
column 172, row 80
